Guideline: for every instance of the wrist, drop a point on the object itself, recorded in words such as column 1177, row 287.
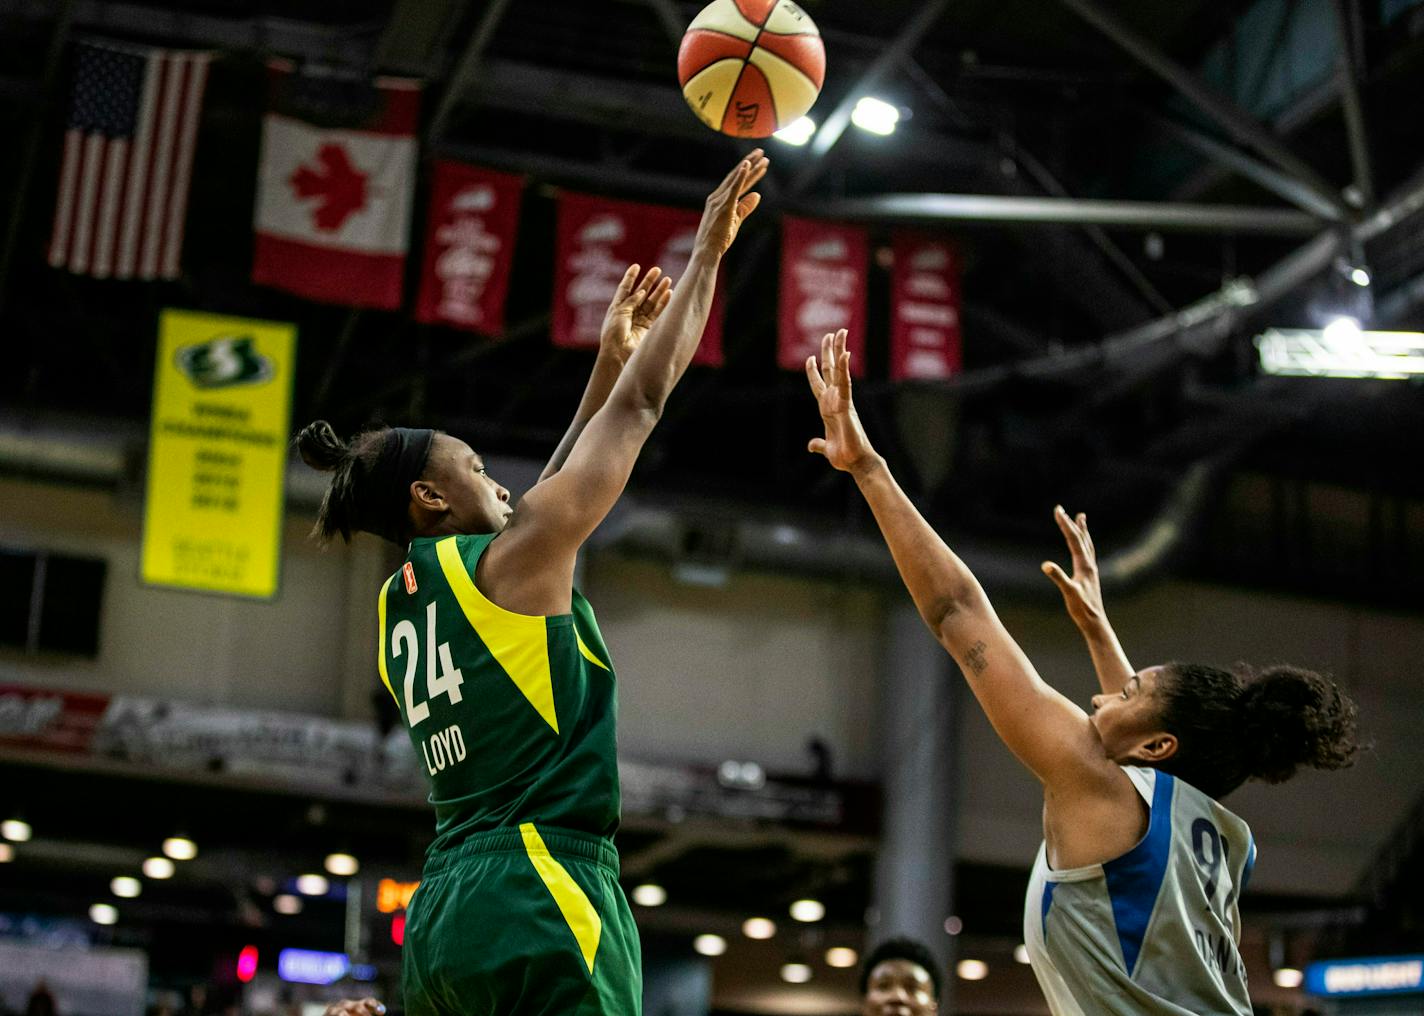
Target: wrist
column 868, row 466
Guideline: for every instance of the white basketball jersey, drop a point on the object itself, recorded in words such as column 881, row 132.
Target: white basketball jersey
column 1154, row 932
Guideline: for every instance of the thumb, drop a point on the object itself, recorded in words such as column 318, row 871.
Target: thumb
column 1056, row 575
column 817, row 446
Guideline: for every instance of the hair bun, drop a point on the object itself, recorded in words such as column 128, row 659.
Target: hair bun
column 320, row 448
column 1292, row 718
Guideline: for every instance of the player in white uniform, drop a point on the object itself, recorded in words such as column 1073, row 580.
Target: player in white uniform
column 1132, row 906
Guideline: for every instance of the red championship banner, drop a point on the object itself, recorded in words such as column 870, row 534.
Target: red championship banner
column 823, row 277
column 333, row 203
column 469, row 247
column 598, row 239
column 924, row 309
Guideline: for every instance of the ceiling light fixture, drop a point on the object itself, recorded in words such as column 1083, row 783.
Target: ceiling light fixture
column 875, row 116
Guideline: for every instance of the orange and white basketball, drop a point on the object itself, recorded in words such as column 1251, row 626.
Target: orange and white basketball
column 750, row 67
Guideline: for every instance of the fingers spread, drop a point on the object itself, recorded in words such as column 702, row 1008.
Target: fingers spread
column 816, row 446
column 813, row 375
column 1056, row 574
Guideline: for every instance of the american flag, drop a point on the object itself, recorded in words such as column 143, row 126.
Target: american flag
column 128, row 155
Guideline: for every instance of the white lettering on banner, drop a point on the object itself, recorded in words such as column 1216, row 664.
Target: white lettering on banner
column 1374, row 976
column 19, row 716
column 596, row 274
column 471, row 256
column 929, row 314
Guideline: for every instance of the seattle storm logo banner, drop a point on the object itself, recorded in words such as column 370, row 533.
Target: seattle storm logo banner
column 223, row 362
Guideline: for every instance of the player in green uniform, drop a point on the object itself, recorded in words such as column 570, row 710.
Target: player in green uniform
column 502, row 676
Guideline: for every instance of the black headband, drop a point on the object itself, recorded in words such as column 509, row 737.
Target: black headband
column 387, row 495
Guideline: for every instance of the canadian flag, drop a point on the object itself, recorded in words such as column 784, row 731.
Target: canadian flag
column 334, row 203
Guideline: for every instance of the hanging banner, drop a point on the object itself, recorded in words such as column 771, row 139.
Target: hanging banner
column 597, row 239
column 217, row 453
column 47, row 719
column 925, row 338
column 333, row 202
column 469, row 247
column 823, row 276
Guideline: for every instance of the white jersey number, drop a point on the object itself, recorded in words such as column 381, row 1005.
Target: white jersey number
column 446, row 681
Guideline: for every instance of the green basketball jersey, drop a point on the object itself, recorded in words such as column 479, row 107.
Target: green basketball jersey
column 513, row 717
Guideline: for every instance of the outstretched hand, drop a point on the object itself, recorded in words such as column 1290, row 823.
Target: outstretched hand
column 845, row 445
column 636, row 305
column 1082, row 593
column 730, row 204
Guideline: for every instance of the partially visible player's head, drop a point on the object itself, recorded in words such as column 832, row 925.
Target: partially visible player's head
column 899, row 978
column 398, row 483
column 1217, row 728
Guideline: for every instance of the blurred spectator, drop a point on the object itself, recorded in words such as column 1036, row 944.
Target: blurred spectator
column 899, row 976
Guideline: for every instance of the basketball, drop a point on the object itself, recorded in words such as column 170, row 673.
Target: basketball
column 751, row 67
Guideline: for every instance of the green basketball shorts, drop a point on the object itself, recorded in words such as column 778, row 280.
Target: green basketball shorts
column 522, row 922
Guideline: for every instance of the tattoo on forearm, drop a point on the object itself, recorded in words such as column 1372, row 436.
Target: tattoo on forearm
column 975, row 658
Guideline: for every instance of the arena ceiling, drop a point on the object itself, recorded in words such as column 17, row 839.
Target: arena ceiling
column 1084, row 383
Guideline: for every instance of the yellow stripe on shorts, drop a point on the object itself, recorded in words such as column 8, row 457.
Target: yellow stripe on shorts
column 578, row 912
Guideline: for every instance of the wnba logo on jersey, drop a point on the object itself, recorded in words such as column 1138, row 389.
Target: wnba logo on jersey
column 408, row 573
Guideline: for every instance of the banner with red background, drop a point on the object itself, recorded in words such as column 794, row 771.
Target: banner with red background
column 925, row 337
column 469, row 247
column 597, row 239
column 823, row 282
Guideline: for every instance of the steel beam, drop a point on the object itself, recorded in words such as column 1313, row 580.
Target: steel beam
column 21, row 188
column 416, row 36
column 1238, row 124
column 468, row 68
column 1076, row 211
column 839, row 119
column 1348, row 70
column 598, row 174
column 1281, row 184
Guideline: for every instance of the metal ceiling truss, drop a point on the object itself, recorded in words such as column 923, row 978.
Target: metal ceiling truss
column 1240, row 125
column 1349, row 69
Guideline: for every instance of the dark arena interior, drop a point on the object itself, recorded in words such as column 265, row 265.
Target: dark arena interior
column 1157, row 262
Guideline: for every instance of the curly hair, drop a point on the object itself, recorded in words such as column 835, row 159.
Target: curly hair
column 1236, row 725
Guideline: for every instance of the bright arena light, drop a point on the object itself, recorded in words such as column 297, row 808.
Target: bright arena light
column 342, row 865
column 972, row 970
column 126, row 887
column 287, row 904
column 1341, row 328
column 104, row 913
column 180, row 848
column 1021, row 954
column 312, row 885
column 758, row 927
column 649, row 895
column 808, row 911
column 1358, row 276
column 875, row 115
column 158, row 867
column 1288, row 977
column 841, row 957
column 709, row 945
column 798, row 132
column 16, row 830
column 795, row 973
column 1341, row 350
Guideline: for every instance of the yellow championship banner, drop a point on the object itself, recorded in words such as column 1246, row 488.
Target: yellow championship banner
column 217, row 453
